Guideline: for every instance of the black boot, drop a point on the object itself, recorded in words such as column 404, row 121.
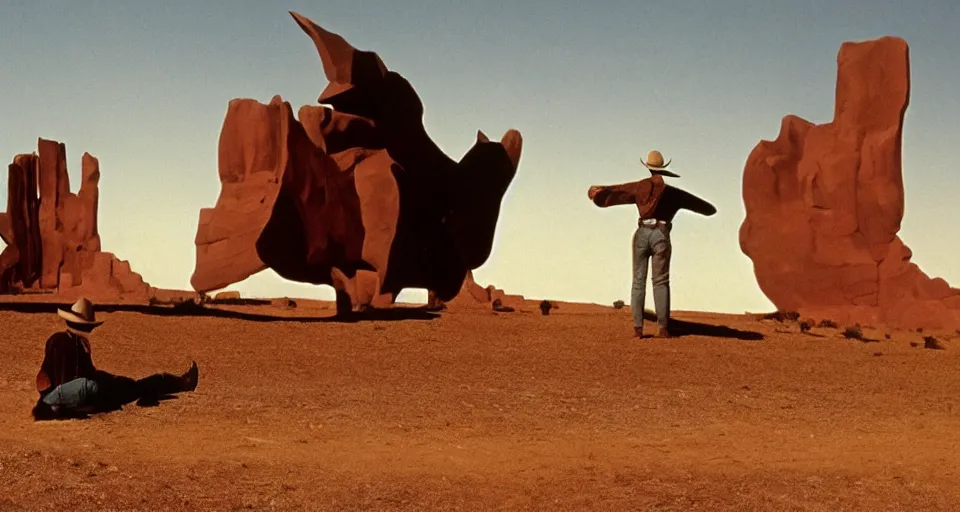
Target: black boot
column 190, row 378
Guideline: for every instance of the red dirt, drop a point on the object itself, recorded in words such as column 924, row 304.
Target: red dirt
column 478, row 411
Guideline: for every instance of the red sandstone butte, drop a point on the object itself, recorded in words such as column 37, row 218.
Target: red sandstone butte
column 354, row 194
column 51, row 234
column 824, row 205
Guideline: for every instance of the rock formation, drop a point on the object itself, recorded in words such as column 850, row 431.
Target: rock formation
column 51, row 234
column 472, row 295
column 227, row 296
column 824, row 204
column 354, row 194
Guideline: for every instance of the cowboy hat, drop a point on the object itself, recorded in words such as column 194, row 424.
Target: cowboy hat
column 656, row 164
column 81, row 312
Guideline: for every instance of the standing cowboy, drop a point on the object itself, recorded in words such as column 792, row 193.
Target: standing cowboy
column 657, row 203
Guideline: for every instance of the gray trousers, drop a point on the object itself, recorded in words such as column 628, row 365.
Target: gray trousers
column 651, row 243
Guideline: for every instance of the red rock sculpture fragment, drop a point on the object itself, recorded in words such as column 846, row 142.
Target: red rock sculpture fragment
column 51, row 234
column 356, row 196
column 53, row 182
column 824, row 204
column 23, row 236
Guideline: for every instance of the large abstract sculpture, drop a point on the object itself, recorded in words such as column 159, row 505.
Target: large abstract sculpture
column 355, row 194
column 824, row 204
column 52, row 243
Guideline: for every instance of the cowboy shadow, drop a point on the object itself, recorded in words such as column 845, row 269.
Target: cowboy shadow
column 680, row 328
column 116, row 407
column 107, row 408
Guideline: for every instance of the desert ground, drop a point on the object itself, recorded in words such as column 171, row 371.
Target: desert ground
column 477, row 410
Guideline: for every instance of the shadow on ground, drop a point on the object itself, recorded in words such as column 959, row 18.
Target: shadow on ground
column 677, row 327
column 192, row 309
column 688, row 328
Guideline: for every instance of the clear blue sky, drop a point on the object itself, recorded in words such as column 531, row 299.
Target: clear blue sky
column 144, row 87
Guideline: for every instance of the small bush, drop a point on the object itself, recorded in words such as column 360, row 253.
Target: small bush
column 853, row 332
column 806, row 325
column 782, row 316
column 932, row 343
column 827, row 324
column 545, row 307
column 618, row 304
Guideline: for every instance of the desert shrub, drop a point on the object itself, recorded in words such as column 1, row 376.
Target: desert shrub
column 618, row 304
column 782, row 316
column 932, row 343
column 187, row 305
column 828, row 324
column 806, row 325
column 853, row 332
column 545, row 307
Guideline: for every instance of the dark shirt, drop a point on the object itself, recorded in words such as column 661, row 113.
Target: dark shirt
column 66, row 357
column 671, row 201
column 674, row 200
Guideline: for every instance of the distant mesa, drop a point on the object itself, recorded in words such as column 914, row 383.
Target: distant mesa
column 52, row 243
column 824, row 204
column 354, row 194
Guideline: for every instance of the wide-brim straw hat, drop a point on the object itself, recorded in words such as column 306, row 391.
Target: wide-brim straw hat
column 81, row 312
column 655, row 163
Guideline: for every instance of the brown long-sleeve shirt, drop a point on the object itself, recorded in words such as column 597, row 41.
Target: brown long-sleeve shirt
column 653, row 198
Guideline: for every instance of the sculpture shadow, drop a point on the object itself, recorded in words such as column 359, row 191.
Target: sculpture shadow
column 191, row 309
column 679, row 328
column 139, row 402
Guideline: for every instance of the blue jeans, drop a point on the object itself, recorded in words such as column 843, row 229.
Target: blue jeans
column 78, row 394
column 651, row 244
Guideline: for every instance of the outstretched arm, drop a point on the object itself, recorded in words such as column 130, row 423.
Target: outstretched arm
column 695, row 204
column 613, row 195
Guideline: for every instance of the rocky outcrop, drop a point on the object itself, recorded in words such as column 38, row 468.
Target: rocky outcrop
column 472, row 295
column 51, row 233
column 356, row 196
column 824, row 204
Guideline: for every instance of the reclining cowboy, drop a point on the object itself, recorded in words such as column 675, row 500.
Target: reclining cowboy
column 71, row 387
